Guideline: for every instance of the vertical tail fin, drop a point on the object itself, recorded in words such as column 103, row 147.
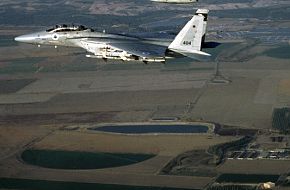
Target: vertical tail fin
column 204, row 13
column 190, row 39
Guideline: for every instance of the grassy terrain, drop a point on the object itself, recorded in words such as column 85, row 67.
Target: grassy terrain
column 282, row 52
column 10, row 183
column 6, row 41
column 246, row 178
column 12, row 86
column 24, row 65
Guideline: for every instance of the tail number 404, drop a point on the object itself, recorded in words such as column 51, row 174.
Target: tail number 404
column 187, row 43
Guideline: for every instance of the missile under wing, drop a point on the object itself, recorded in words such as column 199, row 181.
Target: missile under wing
column 187, row 43
column 175, row 1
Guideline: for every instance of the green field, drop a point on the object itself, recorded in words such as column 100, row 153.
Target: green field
column 246, row 178
column 6, row 41
column 282, row 52
column 24, row 65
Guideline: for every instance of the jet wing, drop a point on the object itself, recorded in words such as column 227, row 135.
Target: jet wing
column 140, row 49
column 155, row 51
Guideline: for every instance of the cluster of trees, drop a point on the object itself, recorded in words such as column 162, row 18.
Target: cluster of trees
column 232, row 187
column 281, row 120
column 220, row 150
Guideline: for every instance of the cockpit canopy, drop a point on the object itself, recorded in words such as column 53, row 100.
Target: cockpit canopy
column 68, row 28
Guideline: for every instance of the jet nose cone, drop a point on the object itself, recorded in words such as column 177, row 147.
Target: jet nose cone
column 25, row 38
column 19, row 39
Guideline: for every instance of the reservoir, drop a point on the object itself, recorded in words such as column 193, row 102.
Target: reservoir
column 152, row 128
column 80, row 160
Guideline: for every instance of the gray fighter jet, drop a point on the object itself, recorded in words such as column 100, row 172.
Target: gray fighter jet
column 175, row 1
column 125, row 47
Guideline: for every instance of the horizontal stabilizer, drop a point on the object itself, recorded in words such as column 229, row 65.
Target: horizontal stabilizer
column 197, row 55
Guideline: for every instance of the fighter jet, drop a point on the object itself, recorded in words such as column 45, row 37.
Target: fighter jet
column 175, row 1
column 187, row 43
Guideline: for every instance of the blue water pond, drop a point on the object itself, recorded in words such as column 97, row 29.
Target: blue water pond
column 149, row 128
